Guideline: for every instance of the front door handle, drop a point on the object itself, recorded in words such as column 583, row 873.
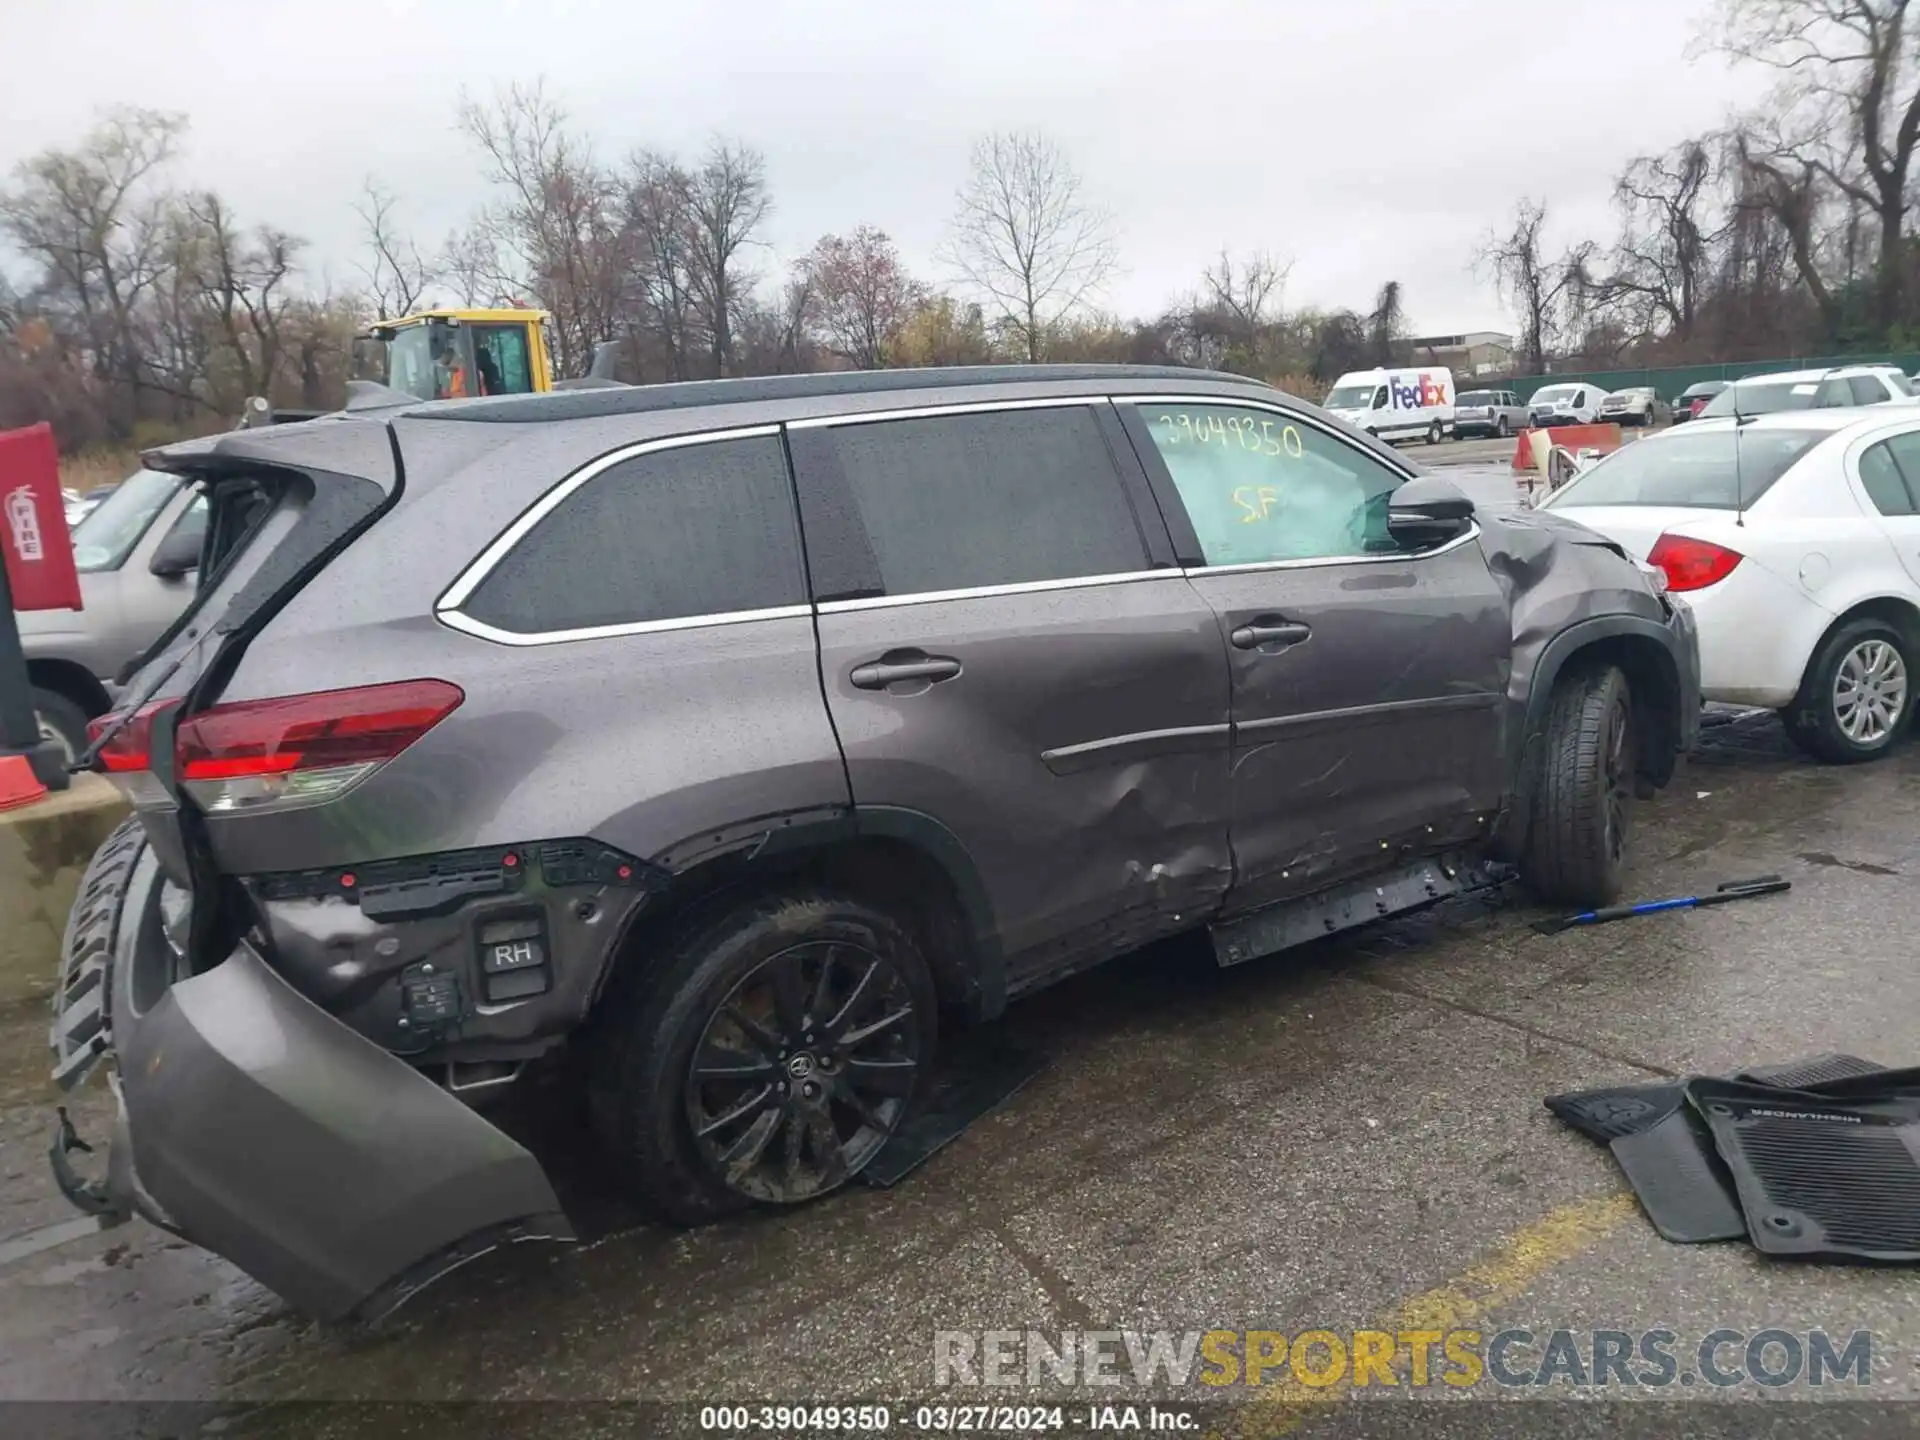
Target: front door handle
column 1262, row 633
column 904, row 667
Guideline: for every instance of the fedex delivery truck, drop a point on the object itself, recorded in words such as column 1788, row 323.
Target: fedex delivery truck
column 1396, row 404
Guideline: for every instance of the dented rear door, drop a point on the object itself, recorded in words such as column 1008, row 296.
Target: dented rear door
column 1009, row 653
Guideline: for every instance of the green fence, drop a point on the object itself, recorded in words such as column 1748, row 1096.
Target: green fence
column 1669, row 382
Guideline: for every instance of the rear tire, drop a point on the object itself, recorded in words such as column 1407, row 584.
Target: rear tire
column 1576, row 847
column 62, row 720
column 730, row 1074
column 1870, row 661
column 1434, row 433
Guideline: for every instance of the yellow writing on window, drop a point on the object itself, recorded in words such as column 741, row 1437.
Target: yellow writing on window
column 1258, row 435
column 1257, row 501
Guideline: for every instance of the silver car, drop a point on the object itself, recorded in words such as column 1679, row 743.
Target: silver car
column 137, row 552
column 1488, row 412
column 1638, row 405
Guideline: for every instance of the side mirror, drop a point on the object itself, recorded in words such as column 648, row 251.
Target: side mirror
column 177, row 555
column 1428, row 510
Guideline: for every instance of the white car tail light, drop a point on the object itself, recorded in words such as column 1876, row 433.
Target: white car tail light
column 1692, row 564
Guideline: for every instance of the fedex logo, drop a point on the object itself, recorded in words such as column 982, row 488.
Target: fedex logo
column 1425, row 391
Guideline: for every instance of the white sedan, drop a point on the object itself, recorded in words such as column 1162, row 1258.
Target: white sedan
column 1795, row 538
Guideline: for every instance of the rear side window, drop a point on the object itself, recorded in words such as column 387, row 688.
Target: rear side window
column 1005, row 497
column 1260, row 488
column 702, row 529
column 1888, row 472
column 1717, row 470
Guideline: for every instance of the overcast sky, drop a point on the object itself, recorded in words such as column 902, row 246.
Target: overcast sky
column 1367, row 140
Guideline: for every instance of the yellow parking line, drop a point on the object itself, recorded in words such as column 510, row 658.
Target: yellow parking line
column 1501, row 1276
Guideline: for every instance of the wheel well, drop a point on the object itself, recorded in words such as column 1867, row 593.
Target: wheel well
column 1902, row 615
column 76, row 682
column 1652, row 678
column 889, row 874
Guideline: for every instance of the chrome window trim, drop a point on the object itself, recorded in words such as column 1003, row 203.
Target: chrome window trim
column 1320, row 562
column 482, row 565
column 982, row 592
column 459, row 620
column 928, row 412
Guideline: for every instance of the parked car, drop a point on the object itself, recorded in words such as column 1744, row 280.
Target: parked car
column 1845, row 386
column 1637, row 405
column 1795, row 537
column 1577, row 403
column 1488, row 412
column 726, row 732
column 1413, row 404
column 1692, row 400
column 137, row 550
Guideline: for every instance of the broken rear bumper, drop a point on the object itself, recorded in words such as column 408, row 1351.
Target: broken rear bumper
column 257, row 1126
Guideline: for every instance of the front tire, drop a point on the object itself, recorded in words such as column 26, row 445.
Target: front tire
column 766, row 1058
column 1857, row 695
column 61, row 721
column 1503, row 430
column 1576, row 849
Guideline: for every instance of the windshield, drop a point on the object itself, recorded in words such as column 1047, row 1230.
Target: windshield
column 1349, row 397
column 1899, row 382
column 1477, row 397
column 1708, row 470
column 108, row 533
column 1553, row 393
column 1763, row 399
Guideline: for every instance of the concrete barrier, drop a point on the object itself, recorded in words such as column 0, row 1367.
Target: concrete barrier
column 1531, row 449
column 44, row 849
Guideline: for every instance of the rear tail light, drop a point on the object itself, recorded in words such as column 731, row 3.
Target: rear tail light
column 301, row 749
column 127, row 755
column 1692, row 564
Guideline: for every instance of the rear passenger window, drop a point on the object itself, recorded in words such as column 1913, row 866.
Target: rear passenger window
column 1005, row 497
column 702, row 529
column 1886, row 475
column 1259, row 487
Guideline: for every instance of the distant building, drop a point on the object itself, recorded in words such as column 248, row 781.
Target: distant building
column 1478, row 352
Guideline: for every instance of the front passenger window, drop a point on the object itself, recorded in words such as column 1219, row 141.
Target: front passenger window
column 1260, row 487
column 1867, row 390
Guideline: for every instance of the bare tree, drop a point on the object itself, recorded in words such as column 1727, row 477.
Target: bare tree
column 1545, row 289
column 1026, row 238
column 396, row 273
column 1387, row 325
column 96, row 220
column 726, row 204
column 659, row 223
column 242, row 280
column 1246, row 295
column 557, row 229
column 1847, row 109
column 1661, row 264
column 468, row 264
column 861, row 295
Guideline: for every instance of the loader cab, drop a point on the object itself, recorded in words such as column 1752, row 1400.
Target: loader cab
column 451, row 354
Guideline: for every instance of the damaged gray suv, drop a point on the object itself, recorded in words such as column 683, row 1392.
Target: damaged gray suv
column 729, row 737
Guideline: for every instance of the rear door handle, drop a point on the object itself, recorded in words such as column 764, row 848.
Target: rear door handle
column 1262, row 633
column 904, row 667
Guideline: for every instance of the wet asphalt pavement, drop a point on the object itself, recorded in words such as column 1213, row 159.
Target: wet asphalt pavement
column 1341, row 1138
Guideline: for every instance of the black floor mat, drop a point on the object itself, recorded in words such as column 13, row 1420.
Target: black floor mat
column 1813, row 1070
column 1818, row 1176
column 976, row 1075
column 1680, row 1181
column 1606, row 1115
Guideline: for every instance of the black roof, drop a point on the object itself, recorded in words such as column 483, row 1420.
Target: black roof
column 640, row 399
